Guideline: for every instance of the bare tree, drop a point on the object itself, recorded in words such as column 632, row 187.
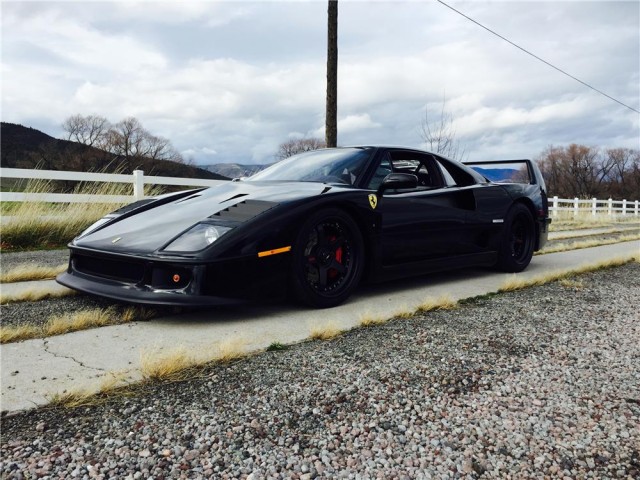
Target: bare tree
column 89, row 130
column 439, row 133
column 293, row 147
column 131, row 141
column 586, row 172
column 331, row 120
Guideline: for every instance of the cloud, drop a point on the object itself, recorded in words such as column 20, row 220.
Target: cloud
column 239, row 78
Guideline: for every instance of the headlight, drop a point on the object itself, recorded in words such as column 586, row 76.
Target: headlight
column 197, row 238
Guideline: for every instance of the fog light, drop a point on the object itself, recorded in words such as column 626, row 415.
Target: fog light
column 176, row 278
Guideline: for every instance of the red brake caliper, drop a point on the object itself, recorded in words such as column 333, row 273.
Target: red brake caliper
column 333, row 272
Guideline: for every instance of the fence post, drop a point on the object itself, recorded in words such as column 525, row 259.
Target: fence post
column 636, row 208
column 554, row 207
column 576, row 206
column 138, row 184
column 610, row 207
column 624, row 207
column 594, row 206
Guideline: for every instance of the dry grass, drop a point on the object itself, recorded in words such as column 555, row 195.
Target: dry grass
column 568, row 221
column 444, row 302
column 609, row 231
column 572, row 283
column 115, row 383
column 9, row 334
column 174, row 365
column 136, row 314
column 30, row 272
column 37, row 224
column 231, row 350
column 595, row 242
column 34, row 294
column 369, row 320
column 517, row 283
column 81, row 320
column 325, row 331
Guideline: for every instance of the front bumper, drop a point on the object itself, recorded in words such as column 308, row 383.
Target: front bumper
column 156, row 281
column 139, row 294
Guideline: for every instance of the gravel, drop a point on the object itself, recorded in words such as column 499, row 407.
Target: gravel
column 538, row 383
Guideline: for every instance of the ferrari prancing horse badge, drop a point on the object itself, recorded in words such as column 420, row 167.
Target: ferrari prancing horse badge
column 373, row 200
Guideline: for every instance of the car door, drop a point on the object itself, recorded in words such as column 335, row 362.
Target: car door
column 421, row 224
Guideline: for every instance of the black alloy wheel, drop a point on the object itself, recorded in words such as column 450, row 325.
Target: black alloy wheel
column 519, row 240
column 327, row 259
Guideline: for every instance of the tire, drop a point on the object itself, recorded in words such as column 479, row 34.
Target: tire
column 328, row 259
column 517, row 244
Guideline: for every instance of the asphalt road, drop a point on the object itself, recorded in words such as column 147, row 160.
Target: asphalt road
column 32, row 371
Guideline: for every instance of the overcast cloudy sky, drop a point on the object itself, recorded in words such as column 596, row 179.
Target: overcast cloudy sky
column 230, row 81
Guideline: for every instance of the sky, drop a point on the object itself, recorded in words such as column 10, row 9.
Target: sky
column 229, row 81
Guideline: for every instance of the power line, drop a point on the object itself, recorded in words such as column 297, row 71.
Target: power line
column 537, row 57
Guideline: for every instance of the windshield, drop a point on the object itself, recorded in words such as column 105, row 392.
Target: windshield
column 339, row 166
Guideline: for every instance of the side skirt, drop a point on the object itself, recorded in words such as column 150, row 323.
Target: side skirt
column 484, row 259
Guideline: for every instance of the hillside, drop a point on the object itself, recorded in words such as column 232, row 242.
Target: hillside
column 24, row 147
column 235, row 170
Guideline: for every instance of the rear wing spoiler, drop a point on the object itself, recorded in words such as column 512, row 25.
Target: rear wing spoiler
column 508, row 171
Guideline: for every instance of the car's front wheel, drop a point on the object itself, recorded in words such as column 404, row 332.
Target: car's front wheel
column 328, row 259
column 518, row 241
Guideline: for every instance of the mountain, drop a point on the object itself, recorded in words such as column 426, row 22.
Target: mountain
column 25, row 147
column 235, row 170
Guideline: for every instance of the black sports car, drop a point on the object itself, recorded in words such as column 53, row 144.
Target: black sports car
column 315, row 225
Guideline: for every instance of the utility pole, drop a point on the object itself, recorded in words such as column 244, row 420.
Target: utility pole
column 331, row 121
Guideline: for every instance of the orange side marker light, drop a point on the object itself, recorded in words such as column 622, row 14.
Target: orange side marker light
column 275, row 251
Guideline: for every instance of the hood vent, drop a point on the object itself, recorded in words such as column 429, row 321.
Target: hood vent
column 234, row 197
column 196, row 195
column 243, row 211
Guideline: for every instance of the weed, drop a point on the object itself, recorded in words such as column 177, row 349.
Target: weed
column 276, row 347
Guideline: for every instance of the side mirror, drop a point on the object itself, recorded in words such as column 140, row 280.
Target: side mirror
column 397, row 181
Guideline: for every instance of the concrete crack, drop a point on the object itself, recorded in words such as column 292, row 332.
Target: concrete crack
column 57, row 355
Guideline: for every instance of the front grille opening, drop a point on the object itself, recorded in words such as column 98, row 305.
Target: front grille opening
column 121, row 270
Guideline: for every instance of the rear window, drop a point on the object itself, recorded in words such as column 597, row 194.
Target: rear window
column 503, row 172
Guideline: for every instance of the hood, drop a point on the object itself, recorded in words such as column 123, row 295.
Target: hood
column 232, row 203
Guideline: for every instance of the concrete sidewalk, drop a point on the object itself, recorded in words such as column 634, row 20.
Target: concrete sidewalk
column 34, row 370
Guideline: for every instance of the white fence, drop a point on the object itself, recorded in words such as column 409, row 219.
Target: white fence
column 593, row 206
column 138, row 179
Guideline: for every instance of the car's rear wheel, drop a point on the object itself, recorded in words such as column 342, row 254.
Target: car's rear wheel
column 328, row 259
column 518, row 242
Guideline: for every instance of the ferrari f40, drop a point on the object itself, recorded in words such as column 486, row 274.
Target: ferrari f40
column 315, row 225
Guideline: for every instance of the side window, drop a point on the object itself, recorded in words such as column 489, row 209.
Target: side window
column 448, row 179
column 382, row 171
column 422, row 166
